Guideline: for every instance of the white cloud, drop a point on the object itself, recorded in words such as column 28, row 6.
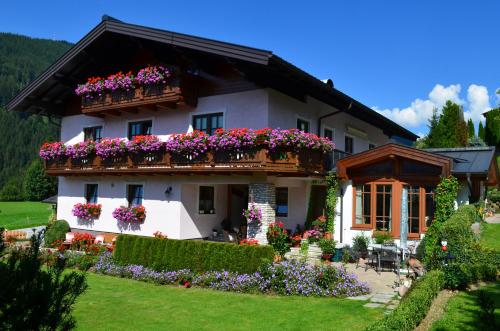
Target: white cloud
column 418, row 113
column 479, row 102
column 420, row 110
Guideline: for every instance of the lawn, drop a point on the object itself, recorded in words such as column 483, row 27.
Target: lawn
column 113, row 303
column 462, row 311
column 18, row 215
column 490, row 235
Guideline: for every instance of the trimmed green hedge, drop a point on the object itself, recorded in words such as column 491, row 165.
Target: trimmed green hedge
column 196, row 255
column 414, row 305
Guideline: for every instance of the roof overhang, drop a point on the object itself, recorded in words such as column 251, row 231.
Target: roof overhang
column 389, row 151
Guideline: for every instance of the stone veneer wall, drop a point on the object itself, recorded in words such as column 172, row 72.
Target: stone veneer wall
column 263, row 195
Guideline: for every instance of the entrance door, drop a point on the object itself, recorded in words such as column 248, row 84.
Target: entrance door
column 237, row 201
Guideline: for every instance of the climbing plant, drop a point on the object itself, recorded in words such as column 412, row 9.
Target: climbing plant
column 332, row 183
column 446, row 195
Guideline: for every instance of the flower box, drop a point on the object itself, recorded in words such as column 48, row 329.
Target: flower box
column 135, row 214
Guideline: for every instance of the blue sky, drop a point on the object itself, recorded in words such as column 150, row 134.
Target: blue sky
column 400, row 57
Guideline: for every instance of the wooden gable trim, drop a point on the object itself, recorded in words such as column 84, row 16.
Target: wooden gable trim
column 391, row 151
column 493, row 173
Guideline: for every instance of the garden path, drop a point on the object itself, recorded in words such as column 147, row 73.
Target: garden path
column 493, row 219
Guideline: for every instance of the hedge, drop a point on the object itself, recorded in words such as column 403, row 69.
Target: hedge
column 196, row 255
column 414, row 305
column 56, row 231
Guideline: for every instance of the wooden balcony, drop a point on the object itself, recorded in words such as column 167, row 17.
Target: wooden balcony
column 153, row 98
column 306, row 163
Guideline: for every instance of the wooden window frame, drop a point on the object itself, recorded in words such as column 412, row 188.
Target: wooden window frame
column 354, row 224
column 303, row 120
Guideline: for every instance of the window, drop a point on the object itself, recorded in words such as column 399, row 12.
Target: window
column 93, row 133
column 91, row 193
column 142, row 128
column 206, row 200
column 414, row 209
column 383, row 207
column 363, row 205
column 134, row 195
column 371, row 146
column 208, row 123
column 348, row 144
column 429, row 206
column 302, row 125
column 328, row 133
column 282, row 201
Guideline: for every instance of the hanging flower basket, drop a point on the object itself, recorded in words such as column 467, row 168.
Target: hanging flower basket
column 253, row 214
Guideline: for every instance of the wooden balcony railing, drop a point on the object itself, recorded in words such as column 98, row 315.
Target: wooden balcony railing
column 175, row 95
column 303, row 163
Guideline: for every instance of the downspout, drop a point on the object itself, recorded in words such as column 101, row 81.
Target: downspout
column 341, row 215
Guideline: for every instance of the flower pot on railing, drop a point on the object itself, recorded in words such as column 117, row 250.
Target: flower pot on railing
column 93, row 100
column 245, row 156
column 153, row 89
column 119, row 161
column 86, row 162
column 190, row 159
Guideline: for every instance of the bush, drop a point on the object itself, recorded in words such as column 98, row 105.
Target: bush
column 196, row 255
column 382, row 237
column 360, row 243
column 327, row 245
column 278, row 238
column 56, row 231
column 11, row 192
column 414, row 306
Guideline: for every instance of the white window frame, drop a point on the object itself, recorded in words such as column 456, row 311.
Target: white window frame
column 328, row 128
column 308, row 120
column 198, row 198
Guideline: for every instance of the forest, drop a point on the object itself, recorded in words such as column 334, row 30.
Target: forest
column 21, row 60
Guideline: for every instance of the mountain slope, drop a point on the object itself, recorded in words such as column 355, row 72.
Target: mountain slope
column 21, row 60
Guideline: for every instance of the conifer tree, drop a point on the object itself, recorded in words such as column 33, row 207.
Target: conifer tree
column 480, row 131
column 471, row 129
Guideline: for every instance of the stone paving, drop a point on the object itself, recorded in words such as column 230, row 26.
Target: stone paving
column 493, row 219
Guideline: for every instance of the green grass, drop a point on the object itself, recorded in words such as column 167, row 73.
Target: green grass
column 490, row 235
column 113, row 303
column 18, row 215
column 462, row 311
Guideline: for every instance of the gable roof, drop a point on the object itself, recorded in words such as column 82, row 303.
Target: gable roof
column 389, row 151
column 48, row 84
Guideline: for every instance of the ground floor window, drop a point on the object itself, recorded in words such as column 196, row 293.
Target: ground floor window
column 377, row 206
column 135, row 195
column 282, row 202
column 91, row 193
column 206, row 200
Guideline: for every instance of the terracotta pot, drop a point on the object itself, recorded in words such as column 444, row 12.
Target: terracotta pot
column 328, row 235
column 326, row 257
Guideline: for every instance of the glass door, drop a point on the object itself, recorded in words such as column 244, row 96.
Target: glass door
column 383, row 207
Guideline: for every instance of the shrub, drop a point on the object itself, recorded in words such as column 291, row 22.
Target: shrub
column 381, row 237
column 414, row 306
column 360, row 243
column 56, row 231
column 278, row 238
column 327, row 245
column 198, row 256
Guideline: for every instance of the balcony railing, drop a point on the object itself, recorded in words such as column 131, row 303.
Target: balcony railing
column 303, row 163
column 175, row 95
column 332, row 158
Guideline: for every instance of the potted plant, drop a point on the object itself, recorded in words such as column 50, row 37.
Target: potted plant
column 277, row 237
column 360, row 245
column 382, row 237
column 327, row 248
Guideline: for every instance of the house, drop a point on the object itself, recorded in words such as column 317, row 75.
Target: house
column 216, row 85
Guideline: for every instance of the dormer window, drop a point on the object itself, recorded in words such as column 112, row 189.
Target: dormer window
column 208, row 123
column 142, row 128
column 93, row 133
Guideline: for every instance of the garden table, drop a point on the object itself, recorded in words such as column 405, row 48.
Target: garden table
column 390, row 253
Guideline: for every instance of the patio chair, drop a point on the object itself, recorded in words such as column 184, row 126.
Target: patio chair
column 388, row 254
column 68, row 239
column 372, row 259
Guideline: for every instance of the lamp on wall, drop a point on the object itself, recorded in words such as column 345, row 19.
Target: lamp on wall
column 168, row 191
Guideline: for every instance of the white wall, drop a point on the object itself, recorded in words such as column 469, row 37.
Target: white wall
column 244, row 109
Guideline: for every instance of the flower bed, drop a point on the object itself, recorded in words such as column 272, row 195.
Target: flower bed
column 87, row 211
column 284, row 278
column 136, row 214
column 192, row 144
